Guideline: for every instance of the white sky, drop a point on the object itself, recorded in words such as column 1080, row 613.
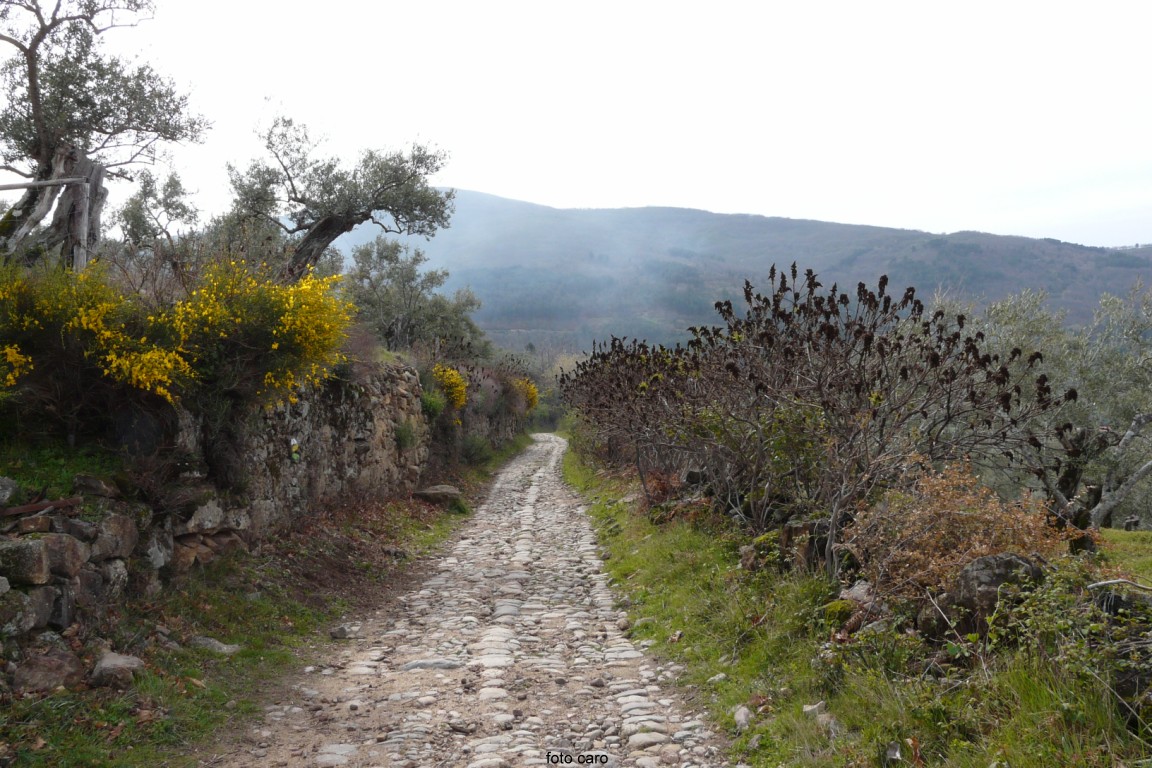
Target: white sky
column 1012, row 117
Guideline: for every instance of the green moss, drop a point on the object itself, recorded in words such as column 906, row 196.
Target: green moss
column 837, row 612
column 49, row 466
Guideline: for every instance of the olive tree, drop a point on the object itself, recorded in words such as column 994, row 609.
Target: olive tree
column 316, row 199
column 402, row 305
column 1091, row 455
column 74, row 112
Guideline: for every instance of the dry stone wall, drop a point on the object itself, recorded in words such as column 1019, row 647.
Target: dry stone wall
column 57, row 564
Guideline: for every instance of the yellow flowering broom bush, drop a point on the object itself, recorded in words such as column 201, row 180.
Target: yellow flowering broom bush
column 452, row 383
column 245, row 332
column 527, row 390
column 73, row 328
column 66, row 337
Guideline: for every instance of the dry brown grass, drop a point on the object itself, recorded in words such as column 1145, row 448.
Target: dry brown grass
column 915, row 542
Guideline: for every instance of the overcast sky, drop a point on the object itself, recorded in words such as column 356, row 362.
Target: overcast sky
column 1012, row 117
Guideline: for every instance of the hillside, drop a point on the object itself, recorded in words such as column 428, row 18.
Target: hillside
column 563, row 277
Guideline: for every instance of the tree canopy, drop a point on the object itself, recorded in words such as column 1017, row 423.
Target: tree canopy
column 72, row 111
column 401, row 304
column 318, row 199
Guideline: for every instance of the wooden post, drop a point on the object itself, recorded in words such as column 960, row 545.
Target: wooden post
column 80, row 238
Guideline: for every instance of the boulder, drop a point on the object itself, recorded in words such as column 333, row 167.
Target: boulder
column 224, row 542
column 41, row 602
column 439, row 494
column 978, row 585
column 861, row 592
column 214, row 645
column 35, row 524
column 207, row 518
column 968, row 603
column 204, row 553
column 80, row 529
column 66, row 554
column 56, row 668
column 116, row 537
column 8, row 488
column 89, row 592
column 157, row 545
column 16, row 614
column 184, row 552
column 90, row 485
column 115, row 575
column 185, row 499
column 115, row 670
column 63, row 609
column 25, row 561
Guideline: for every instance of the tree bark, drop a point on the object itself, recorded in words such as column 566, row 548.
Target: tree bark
column 74, row 210
column 319, row 237
column 78, row 209
column 23, row 217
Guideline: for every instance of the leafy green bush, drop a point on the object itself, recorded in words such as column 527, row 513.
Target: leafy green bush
column 432, row 403
column 476, row 450
column 405, row 436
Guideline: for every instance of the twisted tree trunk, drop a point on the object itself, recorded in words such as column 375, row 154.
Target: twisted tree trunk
column 76, row 223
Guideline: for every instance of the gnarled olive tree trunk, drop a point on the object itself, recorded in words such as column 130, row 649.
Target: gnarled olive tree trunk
column 75, row 225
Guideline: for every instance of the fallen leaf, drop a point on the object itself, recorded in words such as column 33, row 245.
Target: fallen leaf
column 197, row 683
column 917, row 760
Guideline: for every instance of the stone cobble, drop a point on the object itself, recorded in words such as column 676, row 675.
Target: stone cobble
column 511, row 653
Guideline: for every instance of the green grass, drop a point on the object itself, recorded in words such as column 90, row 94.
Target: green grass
column 185, row 694
column 51, row 466
column 1005, row 706
column 1130, row 551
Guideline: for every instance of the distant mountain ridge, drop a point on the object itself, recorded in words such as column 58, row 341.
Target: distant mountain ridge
column 564, row 277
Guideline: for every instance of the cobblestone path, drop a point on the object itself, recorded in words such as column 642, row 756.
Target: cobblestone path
column 511, row 654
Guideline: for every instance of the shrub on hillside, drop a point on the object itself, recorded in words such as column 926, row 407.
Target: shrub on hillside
column 914, row 543
column 528, row 392
column 248, row 333
column 432, row 403
column 869, row 378
column 476, row 450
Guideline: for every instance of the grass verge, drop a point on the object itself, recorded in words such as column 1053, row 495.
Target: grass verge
column 1037, row 695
